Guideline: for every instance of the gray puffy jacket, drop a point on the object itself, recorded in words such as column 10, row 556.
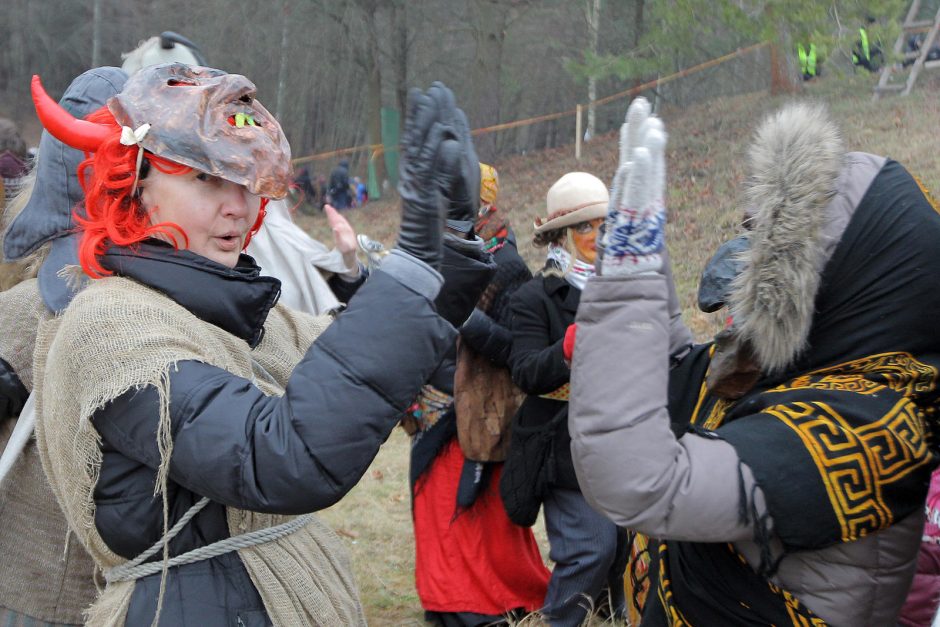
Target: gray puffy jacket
column 634, row 469
column 636, row 472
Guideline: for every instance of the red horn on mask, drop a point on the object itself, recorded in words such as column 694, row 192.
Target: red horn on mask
column 62, row 125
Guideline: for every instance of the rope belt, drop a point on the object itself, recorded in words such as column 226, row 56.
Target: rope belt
column 135, row 569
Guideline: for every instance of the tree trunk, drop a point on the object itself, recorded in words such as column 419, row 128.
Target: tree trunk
column 638, row 32
column 488, row 22
column 782, row 79
column 400, row 55
column 96, row 34
column 282, row 70
column 594, row 13
column 374, row 97
column 638, row 22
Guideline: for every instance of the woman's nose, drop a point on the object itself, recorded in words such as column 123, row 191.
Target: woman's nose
column 235, row 202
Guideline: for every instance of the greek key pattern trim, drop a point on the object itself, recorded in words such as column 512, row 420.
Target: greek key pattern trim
column 856, row 463
column 869, row 375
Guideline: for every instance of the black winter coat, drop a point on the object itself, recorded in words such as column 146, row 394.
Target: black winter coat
column 465, row 275
column 487, row 331
column 298, row 453
column 542, row 310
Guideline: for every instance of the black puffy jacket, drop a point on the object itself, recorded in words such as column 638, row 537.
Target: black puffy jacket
column 297, row 453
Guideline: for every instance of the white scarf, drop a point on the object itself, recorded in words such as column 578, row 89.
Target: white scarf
column 577, row 272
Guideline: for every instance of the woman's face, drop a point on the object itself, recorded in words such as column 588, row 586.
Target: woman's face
column 583, row 236
column 215, row 214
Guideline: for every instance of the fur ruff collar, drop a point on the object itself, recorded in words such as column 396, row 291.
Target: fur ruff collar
column 795, row 162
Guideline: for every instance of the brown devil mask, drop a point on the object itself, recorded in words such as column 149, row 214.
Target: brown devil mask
column 197, row 116
column 209, row 120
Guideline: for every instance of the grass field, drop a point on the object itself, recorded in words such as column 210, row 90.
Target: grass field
column 706, row 165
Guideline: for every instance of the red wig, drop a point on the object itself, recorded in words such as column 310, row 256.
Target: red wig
column 113, row 213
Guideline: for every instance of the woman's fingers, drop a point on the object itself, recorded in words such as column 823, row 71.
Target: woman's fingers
column 637, row 115
column 344, row 236
column 656, row 143
column 639, row 192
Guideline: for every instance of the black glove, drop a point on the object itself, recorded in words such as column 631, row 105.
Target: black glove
column 423, row 209
column 461, row 188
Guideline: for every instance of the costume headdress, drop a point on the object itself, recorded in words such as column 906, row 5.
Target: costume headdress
column 489, row 184
column 491, row 223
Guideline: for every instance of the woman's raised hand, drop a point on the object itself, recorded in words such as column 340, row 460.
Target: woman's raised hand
column 636, row 220
column 344, row 236
column 436, row 172
column 461, row 167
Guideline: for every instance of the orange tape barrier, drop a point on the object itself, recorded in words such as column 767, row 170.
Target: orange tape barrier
column 378, row 149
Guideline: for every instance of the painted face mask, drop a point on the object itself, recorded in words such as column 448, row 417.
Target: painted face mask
column 197, row 116
column 209, row 120
column 584, row 238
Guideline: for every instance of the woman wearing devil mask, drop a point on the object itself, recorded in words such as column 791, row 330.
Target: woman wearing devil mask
column 185, row 419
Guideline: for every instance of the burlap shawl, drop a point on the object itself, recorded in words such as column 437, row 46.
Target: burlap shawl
column 119, row 335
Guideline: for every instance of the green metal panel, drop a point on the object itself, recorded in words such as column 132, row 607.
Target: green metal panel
column 390, row 136
column 375, row 189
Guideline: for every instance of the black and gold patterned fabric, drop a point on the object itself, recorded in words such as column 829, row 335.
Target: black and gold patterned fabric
column 843, row 444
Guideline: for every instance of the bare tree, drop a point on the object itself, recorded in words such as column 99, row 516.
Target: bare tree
column 490, row 21
column 282, row 66
column 594, row 16
column 401, row 46
column 96, row 34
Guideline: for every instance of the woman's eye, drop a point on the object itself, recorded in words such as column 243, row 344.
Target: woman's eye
column 206, row 178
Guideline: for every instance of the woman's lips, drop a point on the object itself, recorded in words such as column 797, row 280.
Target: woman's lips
column 228, row 242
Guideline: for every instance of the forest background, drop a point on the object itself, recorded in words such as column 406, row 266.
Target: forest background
column 327, row 68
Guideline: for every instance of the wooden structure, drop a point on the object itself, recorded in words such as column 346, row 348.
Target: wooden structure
column 911, row 26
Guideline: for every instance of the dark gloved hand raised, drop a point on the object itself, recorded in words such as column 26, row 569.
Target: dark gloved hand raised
column 435, row 172
column 461, row 167
column 419, row 183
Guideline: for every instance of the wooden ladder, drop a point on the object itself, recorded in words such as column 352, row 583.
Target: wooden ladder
column 885, row 85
